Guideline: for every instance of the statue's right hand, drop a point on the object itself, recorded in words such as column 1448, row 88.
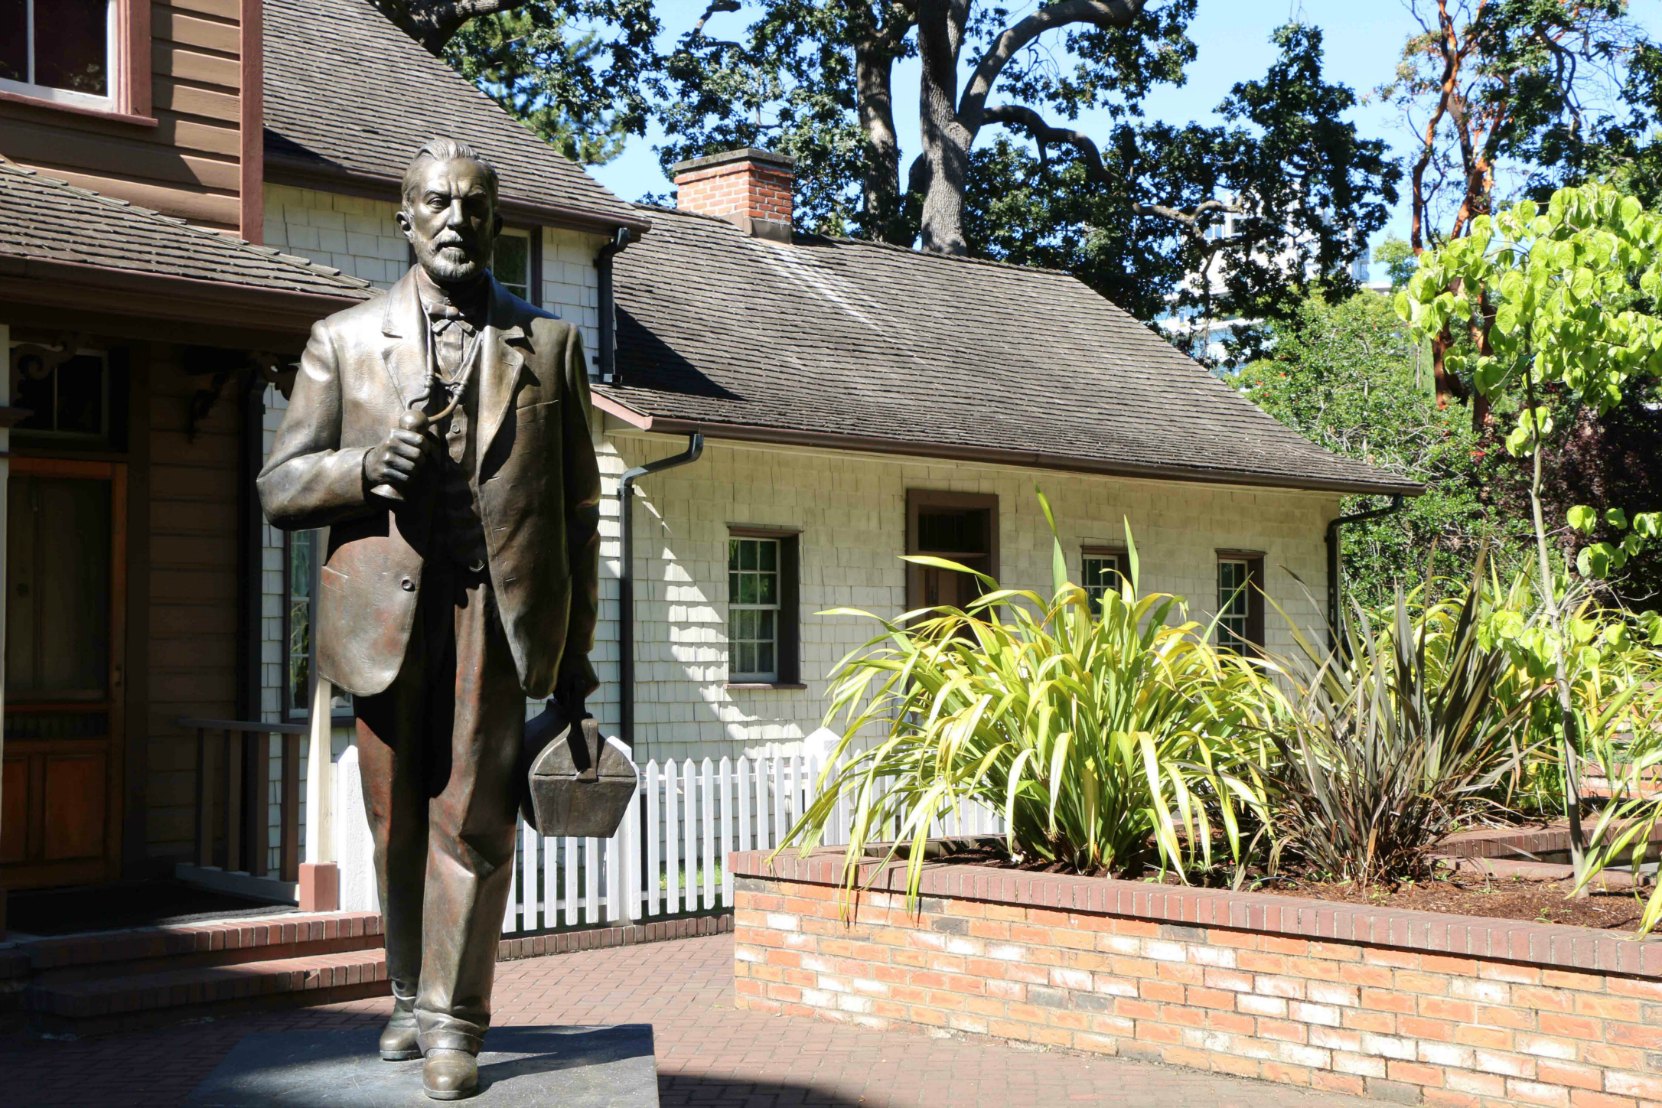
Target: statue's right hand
column 397, row 460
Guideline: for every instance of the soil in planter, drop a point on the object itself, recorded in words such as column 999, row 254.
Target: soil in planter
column 1499, row 897
column 1516, row 898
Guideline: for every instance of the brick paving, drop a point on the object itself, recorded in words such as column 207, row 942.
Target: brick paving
column 710, row 1055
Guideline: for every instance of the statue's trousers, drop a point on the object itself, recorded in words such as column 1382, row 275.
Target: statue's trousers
column 439, row 751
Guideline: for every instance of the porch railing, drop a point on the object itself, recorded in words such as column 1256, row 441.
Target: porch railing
column 233, row 813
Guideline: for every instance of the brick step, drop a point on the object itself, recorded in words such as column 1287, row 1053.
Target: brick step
column 109, row 1003
column 155, row 949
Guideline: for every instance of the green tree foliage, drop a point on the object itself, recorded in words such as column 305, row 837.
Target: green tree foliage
column 1398, row 258
column 1560, row 301
column 1520, row 94
column 1350, row 377
column 1001, row 170
column 1119, row 215
column 1131, row 209
column 549, row 65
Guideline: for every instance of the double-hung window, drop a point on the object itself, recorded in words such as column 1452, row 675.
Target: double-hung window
column 64, row 51
column 1240, row 602
column 514, row 263
column 1100, row 571
column 762, row 607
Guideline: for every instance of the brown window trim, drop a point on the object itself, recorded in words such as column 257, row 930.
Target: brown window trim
column 1121, row 555
column 535, row 285
column 1255, row 592
column 1097, row 550
column 790, row 604
column 918, row 499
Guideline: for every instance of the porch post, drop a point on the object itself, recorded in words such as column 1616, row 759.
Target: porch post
column 319, row 876
column 5, row 482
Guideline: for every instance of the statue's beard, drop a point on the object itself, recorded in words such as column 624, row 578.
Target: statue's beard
column 450, row 266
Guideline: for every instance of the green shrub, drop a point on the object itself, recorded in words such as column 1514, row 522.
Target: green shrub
column 1392, row 740
column 1608, row 657
column 1111, row 741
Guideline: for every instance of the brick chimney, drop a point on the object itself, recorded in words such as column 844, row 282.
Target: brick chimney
column 748, row 187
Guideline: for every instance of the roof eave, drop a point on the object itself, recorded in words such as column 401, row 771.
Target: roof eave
column 1025, row 459
column 160, row 296
column 288, row 169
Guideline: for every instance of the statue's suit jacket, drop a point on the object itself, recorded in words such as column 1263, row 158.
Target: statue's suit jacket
column 537, row 481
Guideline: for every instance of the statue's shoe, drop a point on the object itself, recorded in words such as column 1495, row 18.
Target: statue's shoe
column 450, row 1074
column 398, row 1040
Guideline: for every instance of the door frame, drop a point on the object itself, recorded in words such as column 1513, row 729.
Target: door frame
column 919, row 499
column 108, row 867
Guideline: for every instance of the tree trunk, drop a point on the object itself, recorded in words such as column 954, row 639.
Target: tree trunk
column 946, row 142
column 1569, row 747
column 874, row 90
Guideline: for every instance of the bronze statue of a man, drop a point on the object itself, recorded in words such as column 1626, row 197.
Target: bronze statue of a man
column 441, row 433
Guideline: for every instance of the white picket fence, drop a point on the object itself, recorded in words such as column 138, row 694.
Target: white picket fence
column 669, row 855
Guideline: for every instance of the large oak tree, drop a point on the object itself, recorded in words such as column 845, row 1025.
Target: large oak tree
column 1034, row 145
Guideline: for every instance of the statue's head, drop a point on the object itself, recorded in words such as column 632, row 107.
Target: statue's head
column 449, row 213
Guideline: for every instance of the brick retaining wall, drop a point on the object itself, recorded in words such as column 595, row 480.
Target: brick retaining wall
column 1411, row 1007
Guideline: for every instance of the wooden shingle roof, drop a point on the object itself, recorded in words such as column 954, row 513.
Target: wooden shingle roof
column 53, row 222
column 883, row 348
column 350, row 97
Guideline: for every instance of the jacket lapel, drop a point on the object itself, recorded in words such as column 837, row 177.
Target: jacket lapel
column 405, row 351
column 499, row 365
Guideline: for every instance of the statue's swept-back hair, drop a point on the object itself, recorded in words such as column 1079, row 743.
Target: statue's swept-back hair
column 445, row 150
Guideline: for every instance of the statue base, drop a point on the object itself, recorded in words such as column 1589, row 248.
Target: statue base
column 573, row 1067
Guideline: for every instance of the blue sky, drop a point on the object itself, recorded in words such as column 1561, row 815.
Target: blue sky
column 1363, row 40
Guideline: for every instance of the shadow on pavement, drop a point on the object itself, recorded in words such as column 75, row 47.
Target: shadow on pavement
column 693, row 1091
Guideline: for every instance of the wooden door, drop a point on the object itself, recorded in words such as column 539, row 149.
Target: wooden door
column 60, row 800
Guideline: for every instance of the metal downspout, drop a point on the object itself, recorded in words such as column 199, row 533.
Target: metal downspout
column 608, row 304
column 1334, row 601
column 626, row 578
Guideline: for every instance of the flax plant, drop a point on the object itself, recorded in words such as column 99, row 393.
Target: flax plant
column 1395, row 738
column 1111, row 740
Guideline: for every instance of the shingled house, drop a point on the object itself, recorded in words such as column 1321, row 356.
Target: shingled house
column 833, row 404
column 849, row 403
column 858, row 401
column 127, row 305
column 853, row 402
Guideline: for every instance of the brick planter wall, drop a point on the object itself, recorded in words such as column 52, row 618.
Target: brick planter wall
column 1411, row 1007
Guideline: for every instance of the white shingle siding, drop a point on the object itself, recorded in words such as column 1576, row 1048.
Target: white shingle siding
column 851, row 509
column 354, row 234
column 359, row 236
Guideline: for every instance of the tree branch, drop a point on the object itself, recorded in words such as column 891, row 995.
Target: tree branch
column 1044, row 133
column 717, row 7
column 435, row 22
column 1107, row 14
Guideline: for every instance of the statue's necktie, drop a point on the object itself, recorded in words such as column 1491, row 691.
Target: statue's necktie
column 451, row 332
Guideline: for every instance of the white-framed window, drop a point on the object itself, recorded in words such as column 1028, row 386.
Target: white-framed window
column 65, row 51
column 513, row 262
column 1100, row 571
column 754, row 599
column 1240, row 602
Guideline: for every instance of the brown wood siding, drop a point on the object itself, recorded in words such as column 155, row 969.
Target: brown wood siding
column 192, row 542
column 188, row 163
